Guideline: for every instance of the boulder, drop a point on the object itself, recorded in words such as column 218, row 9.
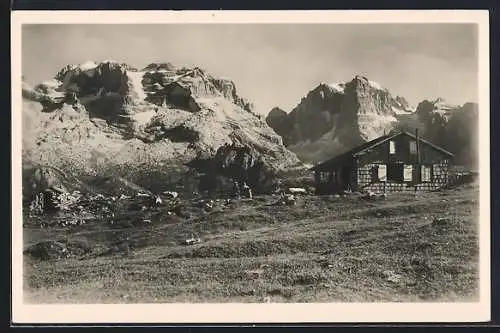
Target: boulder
column 297, row 190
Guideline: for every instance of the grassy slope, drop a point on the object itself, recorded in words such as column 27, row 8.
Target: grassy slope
column 322, row 250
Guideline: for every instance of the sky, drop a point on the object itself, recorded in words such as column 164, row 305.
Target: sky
column 275, row 64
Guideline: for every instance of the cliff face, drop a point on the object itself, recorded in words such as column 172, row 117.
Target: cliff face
column 453, row 127
column 110, row 118
column 279, row 121
column 335, row 117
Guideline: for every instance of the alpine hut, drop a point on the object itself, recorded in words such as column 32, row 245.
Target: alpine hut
column 398, row 161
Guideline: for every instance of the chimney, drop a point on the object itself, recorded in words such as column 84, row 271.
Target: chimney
column 418, row 145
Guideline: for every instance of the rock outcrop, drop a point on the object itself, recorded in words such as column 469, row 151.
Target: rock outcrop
column 278, row 120
column 142, row 125
column 237, row 163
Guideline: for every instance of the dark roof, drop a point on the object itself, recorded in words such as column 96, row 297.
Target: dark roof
column 359, row 150
column 429, row 144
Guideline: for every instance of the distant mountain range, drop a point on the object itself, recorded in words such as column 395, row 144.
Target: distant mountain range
column 144, row 125
column 333, row 118
column 150, row 128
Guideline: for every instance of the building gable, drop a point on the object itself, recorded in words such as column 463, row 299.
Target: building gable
column 380, row 148
column 403, row 148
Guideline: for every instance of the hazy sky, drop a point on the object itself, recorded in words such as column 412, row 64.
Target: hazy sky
column 276, row 64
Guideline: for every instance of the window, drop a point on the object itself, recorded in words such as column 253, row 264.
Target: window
column 436, row 172
column 331, row 176
column 413, row 147
column 425, row 173
column 392, row 147
column 382, row 172
column 407, row 173
column 323, row 177
column 395, row 172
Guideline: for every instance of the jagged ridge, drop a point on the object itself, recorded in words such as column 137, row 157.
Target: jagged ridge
column 454, row 127
column 336, row 116
column 108, row 117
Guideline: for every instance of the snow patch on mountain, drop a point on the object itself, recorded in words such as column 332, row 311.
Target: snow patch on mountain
column 143, row 118
column 399, row 111
column 337, row 87
column 88, row 65
column 136, row 84
column 50, row 84
column 371, row 126
column 109, row 61
column 375, row 85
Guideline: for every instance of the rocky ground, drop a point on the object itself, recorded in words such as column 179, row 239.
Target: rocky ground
column 322, row 249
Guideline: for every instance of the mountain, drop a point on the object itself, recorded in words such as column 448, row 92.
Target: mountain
column 145, row 125
column 335, row 117
column 454, row 127
column 279, row 121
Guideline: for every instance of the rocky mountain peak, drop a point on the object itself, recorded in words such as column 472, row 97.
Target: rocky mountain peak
column 437, row 110
column 335, row 116
column 107, row 115
column 278, row 120
column 402, row 103
column 160, row 66
column 363, row 83
column 276, row 112
column 330, row 88
column 359, row 80
column 454, row 127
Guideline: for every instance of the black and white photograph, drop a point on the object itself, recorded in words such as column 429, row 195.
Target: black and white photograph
column 264, row 163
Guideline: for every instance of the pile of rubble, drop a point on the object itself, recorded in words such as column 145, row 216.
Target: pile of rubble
column 286, row 200
column 147, row 201
column 70, row 208
column 74, row 208
column 209, row 205
column 55, row 198
column 67, row 201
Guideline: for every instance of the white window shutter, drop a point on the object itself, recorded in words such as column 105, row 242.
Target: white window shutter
column 382, row 172
column 392, row 147
column 413, row 147
column 407, row 173
column 426, row 173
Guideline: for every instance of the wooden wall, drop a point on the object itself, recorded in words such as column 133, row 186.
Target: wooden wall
column 367, row 180
column 362, row 174
column 324, row 186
